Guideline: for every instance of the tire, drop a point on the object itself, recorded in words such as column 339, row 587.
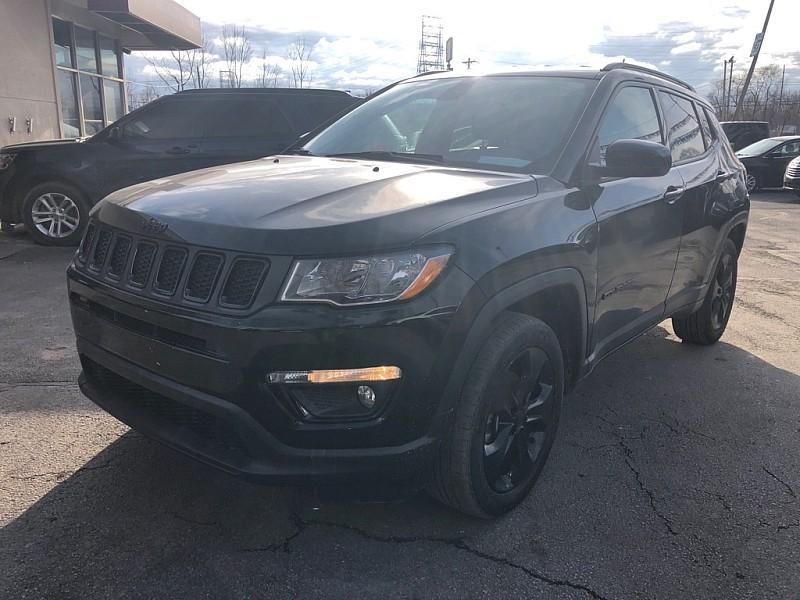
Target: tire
column 468, row 475
column 55, row 214
column 706, row 325
column 752, row 182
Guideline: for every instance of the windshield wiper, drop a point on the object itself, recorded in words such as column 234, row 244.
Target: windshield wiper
column 430, row 159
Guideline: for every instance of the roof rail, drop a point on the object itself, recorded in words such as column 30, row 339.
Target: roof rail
column 653, row 72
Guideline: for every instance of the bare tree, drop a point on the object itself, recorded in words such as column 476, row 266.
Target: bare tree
column 237, row 52
column 300, row 54
column 175, row 70
column 138, row 95
column 199, row 61
column 270, row 72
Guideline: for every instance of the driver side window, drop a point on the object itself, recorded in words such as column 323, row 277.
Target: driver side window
column 790, row 149
column 631, row 115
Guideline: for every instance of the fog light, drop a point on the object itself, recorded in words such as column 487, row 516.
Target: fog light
column 383, row 373
column 366, row 395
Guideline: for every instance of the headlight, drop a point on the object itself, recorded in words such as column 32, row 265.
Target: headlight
column 364, row 280
column 6, row 160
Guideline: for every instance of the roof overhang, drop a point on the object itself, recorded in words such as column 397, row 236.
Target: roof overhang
column 154, row 24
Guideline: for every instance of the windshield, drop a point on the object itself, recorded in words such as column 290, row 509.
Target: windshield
column 507, row 123
column 759, row 147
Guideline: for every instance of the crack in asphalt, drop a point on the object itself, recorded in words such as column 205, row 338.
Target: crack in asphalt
column 629, row 461
column 781, row 481
column 302, row 525
column 5, row 386
column 61, row 474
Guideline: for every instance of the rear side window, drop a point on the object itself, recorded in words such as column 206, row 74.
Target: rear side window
column 307, row 113
column 631, row 115
column 790, row 149
column 246, row 117
column 168, row 120
column 708, row 132
column 683, row 128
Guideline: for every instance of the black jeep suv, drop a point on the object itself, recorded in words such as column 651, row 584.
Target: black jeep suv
column 51, row 186
column 407, row 295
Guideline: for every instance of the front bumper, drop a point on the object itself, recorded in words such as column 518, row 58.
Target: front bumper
column 196, row 381
column 792, row 183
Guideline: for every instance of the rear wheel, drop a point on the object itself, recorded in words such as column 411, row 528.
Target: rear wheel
column 506, row 421
column 752, row 182
column 707, row 325
column 55, row 214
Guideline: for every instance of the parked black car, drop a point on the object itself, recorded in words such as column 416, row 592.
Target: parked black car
column 407, row 296
column 50, row 186
column 766, row 161
column 791, row 179
column 743, row 133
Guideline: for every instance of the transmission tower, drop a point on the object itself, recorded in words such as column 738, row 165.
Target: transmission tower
column 431, row 50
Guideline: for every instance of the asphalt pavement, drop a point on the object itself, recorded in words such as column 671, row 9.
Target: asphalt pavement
column 676, row 475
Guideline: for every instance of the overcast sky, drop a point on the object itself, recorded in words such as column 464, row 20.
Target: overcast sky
column 364, row 45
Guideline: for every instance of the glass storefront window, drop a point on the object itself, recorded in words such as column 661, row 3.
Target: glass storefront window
column 62, row 38
column 114, row 106
column 92, row 106
column 89, row 74
column 86, row 50
column 109, row 57
column 70, row 118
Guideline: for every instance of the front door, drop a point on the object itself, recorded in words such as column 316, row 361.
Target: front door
column 639, row 228
column 776, row 162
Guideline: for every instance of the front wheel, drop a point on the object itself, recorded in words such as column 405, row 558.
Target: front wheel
column 55, row 214
column 706, row 325
column 506, row 420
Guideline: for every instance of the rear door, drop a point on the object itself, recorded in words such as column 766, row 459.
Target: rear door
column 639, row 227
column 696, row 156
column 245, row 127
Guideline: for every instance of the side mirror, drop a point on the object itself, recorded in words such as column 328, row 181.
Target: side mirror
column 637, row 158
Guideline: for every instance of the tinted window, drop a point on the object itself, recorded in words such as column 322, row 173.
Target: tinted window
column 167, row 120
column 307, row 113
column 790, row 149
column 632, row 115
column 246, row 117
column 683, row 129
column 499, row 122
column 705, row 125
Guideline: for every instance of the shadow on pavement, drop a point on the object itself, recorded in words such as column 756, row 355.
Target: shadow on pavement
column 676, row 475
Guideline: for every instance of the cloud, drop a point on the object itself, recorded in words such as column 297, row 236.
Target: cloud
column 360, row 45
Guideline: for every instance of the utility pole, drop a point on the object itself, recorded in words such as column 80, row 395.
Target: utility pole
column 431, row 47
column 723, row 107
column 469, row 62
column 730, row 83
column 780, row 102
column 759, row 41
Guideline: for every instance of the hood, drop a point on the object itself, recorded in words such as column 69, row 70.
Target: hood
column 309, row 205
column 26, row 146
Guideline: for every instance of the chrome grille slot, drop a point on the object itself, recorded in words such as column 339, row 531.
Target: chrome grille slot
column 242, row 282
column 170, row 270
column 202, row 277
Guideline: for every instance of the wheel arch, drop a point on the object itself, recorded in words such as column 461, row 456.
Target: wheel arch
column 737, row 234
column 557, row 297
column 22, row 185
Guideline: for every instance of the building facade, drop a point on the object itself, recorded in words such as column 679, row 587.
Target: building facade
column 64, row 73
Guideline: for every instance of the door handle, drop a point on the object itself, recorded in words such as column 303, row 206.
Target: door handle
column 177, row 150
column 721, row 176
column 673, row 193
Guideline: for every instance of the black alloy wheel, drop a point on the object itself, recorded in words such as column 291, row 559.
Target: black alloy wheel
column 722, row 292
column 520, row 421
